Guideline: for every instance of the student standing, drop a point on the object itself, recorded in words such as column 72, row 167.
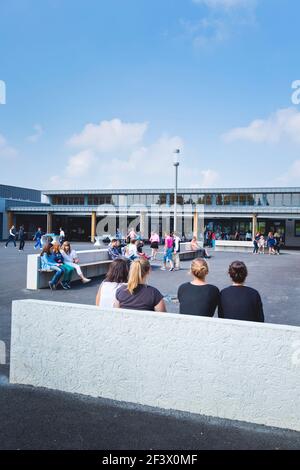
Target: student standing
column 62, row 236
column 271, row 243
column 21, row 238
column 239, row 302
column 11, row 237
column 261, row 245
column 176, row 251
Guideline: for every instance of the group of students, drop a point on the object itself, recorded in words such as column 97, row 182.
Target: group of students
column 63, row 260
column 126, row 286
column 274, row 243
column 134, row 249
column 20, row 235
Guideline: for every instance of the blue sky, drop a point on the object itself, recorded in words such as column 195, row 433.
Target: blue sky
column 99, row 93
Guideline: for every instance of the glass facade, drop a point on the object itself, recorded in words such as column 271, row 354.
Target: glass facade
column 68, row 200
column 209, row 199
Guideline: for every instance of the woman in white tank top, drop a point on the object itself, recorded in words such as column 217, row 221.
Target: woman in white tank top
column 117, row 276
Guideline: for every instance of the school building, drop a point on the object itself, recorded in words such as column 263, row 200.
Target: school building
column 83, row 213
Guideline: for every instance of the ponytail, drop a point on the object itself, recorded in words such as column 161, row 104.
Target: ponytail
column 138, row 270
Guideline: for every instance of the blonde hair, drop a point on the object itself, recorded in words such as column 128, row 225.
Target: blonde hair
column 138, row 270
column 199, row 268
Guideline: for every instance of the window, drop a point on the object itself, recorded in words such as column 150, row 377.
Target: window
column 219, row 200
column 296, row 199
column 287, row 199
column 297, row 228
column 234, row 199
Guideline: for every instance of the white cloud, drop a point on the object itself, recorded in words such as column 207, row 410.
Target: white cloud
column 227, row 4
column 109, row 136
column 136, row 164
column 291, row 176
column 80, row 164
column 37, row 134
column 6, row 151
column 283, row 124
column 224, row 18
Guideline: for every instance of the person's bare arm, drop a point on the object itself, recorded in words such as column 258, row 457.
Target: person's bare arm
column 161, row 306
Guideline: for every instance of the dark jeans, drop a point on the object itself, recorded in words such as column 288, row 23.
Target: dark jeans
column 11, row 239
column 38, row 243
column 22, row 244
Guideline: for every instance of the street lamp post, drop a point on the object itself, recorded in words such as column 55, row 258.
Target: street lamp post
column 176, row 165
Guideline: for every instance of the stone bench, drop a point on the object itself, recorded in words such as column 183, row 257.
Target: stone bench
column 223, row 368
column 186, row 253
column 234, row 246
column 92, row 262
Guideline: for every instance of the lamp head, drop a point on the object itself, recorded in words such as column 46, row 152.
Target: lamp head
column 176, row 155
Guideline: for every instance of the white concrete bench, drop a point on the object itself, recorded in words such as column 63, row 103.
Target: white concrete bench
column 234, row 246
column 186, row 253
column 228, row 369
column 92, row 262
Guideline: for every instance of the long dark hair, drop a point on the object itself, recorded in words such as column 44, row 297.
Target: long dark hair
column 46, row 249
column 118, row 271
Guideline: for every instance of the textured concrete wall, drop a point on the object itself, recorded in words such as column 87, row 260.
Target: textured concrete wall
column 228, row 369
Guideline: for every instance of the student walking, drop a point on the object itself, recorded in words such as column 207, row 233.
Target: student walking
column 154, row 244
column 11, row 237
column 21, row 238
column 198, row 297
column 240, row 302
column 38, row 238
column 168, row 253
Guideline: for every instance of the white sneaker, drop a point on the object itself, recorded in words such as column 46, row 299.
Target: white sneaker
column 162, row 269
column 86, row 280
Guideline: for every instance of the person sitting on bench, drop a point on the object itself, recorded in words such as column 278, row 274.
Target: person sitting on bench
column 49, row 264
column 70, row 258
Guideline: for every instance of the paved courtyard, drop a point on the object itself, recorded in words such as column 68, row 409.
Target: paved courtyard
column 44, row 419
column 276, row 277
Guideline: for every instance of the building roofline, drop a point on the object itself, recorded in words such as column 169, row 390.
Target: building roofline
column 171, row 190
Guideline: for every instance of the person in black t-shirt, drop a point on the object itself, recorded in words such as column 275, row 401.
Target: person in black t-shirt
column 136, row 294
column 197, row 297
column 239, row 302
